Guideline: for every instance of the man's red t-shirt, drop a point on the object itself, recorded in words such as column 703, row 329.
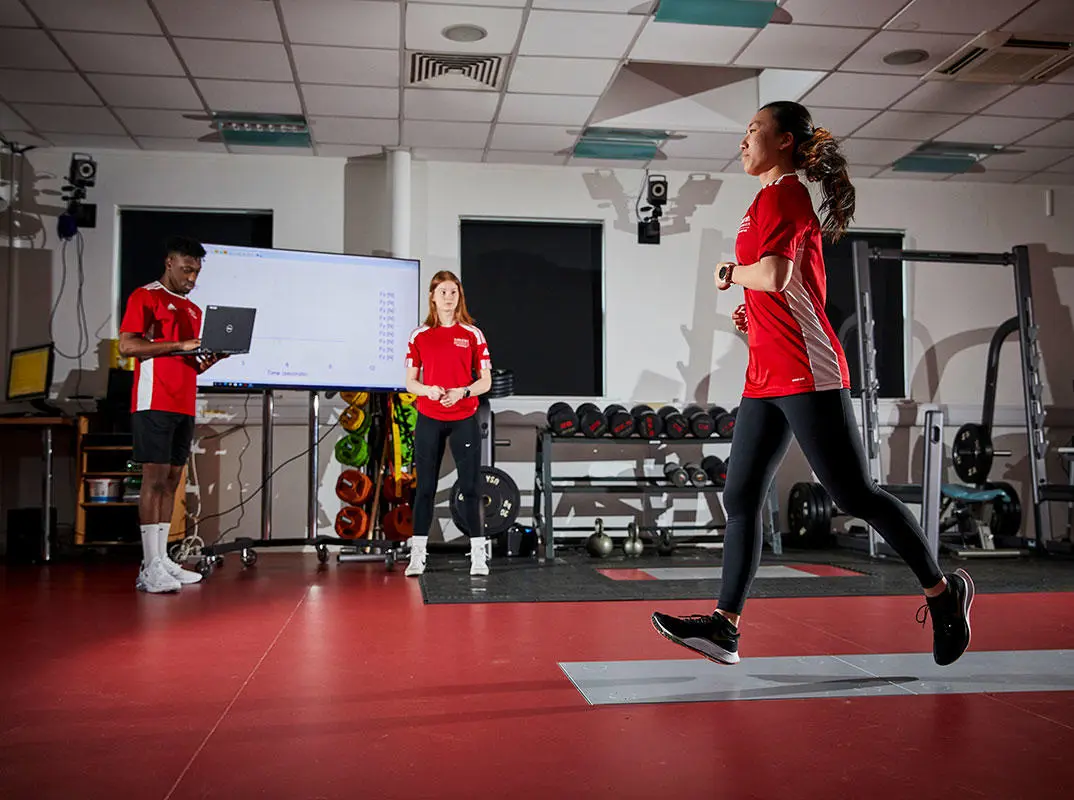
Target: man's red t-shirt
column 450, row 357
column 165, row 383
column 792, row 345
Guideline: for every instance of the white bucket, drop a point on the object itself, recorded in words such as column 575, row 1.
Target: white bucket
column 103, row 490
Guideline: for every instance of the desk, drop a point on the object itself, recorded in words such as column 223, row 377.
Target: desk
column 46, row 424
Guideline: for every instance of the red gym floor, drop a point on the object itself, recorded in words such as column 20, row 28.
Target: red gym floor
column 290, row 680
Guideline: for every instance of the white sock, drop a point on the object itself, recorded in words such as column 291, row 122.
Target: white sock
column 478, row 543
column 163, row 529
column 149, row 543
column 419, row 541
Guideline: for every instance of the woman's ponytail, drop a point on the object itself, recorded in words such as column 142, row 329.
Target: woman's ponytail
column 819, row 157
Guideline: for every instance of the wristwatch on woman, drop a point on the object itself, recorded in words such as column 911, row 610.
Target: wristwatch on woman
column 725, row 273
column 467, row 392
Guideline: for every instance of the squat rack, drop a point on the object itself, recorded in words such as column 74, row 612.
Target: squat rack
column 1040, row 490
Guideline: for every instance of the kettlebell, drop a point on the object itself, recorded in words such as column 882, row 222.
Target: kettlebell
column 599, row 544
column 633, row 545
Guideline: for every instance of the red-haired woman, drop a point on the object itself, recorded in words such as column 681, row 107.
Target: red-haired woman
column 797, row 383
column 447, row 366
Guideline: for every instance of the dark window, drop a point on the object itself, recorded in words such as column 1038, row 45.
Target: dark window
column 535, row 289
column 888, row 310
column 142, row 234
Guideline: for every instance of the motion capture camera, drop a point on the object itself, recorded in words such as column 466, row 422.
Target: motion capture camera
column 83, row 171
column 657, row 194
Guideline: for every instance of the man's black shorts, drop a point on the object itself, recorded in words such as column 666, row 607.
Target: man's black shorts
column 162, row 437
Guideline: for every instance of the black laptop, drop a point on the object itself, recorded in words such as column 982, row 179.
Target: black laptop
column 226, row 330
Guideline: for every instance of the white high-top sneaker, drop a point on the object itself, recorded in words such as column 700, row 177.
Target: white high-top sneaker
column 418, row 555
column 479, row 557
column 155, row 579
column 184, row 576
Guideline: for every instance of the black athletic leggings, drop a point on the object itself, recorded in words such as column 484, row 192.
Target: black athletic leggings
column 825, row 427
column 430, row 437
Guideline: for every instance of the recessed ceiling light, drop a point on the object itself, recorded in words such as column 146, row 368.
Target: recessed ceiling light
column 903, row 58
column 464, row 33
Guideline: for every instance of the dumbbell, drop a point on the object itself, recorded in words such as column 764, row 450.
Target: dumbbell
column 620, row 423
column 715, row 469
column 695, row 474
column 562, row 420
column 646, row 422
column 675, row 424
column 701, row 424
column 676, row 475
column 725, row 421
column 592, row 420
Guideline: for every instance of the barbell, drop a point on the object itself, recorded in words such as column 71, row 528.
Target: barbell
column 498, row 497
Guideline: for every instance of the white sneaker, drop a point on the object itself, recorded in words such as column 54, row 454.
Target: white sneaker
column 155, row 579
column 184, row 576
column 418, row 556
column 479, row 557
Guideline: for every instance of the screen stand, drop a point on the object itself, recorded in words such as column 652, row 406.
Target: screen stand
column 267, row 433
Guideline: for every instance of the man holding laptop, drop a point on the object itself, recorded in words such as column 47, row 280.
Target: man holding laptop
column 162, row 330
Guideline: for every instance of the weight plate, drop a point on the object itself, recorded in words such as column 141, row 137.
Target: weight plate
column 971, row 453
column 1005, row 513
column 499, row 496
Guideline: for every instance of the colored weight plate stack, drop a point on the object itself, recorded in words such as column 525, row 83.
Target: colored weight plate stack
column 354, row 487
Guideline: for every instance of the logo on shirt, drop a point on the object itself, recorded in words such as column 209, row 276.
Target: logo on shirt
column 744, row 225
column 462, row 342
column 171, row 307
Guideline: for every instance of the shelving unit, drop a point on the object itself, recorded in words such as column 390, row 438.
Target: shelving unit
column 114, row 523
column 546, row 485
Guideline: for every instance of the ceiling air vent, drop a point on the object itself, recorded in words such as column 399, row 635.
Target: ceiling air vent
column 452, row 71
column 1006, row 58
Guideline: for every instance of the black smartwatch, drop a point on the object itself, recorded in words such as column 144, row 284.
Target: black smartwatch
column 725, row 273
column 467, row 393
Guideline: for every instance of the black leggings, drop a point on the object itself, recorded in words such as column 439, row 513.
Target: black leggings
column 825, row 427
column 430, row 436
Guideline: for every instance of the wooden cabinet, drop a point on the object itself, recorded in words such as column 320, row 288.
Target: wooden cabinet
column 99, row 524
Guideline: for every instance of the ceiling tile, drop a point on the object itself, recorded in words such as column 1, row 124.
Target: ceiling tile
column 348, row 150
column 24, row 138
column 989, row 176
column 840, row 121
column 1033, row 159
column 471, row 155
column 1063, row 166
column 170, row 124
column 180, row 145
column 912, row 125
column 689, row 44
column 110, row 16
column 348, row 130
column 266, row 98
column 709, row 146
column 450, row 105
column 956, row 16
column 424, row 24
column 801, row 47
column 870, row 57
column 128, row 55
column 544, row 138
column 13, row 15
column 1048, row 101
column 874, row 151
column 34, row 86
column 135, row 91
column 1050, row 179
column 606, row 6
column 206, row 58
column 94, row 140
column 23, row 49
column 351, row 101
column 69, row 119
column 418, row 133
column 581, row 76
column 1046, row 16
column 351, row 23
column 522, row 157
column 346, row 65
column 993, row 130
column 563, row 33
column 546, row 109
column 1061, row 134
column 856, row 90
column 9, row 120
column 850, row 13
column 511, row 3
column 956, row 98
column 693, row 164
column 211, row 18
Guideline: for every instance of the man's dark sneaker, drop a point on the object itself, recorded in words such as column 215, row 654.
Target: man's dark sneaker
column 950, row 618
column 713, row 637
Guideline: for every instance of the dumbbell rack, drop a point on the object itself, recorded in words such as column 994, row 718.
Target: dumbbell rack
column 546, row 485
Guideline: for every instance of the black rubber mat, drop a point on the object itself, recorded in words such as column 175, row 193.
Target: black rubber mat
column 574, row 577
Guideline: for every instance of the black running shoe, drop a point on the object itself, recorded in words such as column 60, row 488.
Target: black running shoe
column 713, row 637
column 950, row 618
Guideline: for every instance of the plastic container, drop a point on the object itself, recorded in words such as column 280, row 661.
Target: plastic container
column 103, row 490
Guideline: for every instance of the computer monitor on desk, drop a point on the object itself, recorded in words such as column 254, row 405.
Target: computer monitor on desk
column 29, row 373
